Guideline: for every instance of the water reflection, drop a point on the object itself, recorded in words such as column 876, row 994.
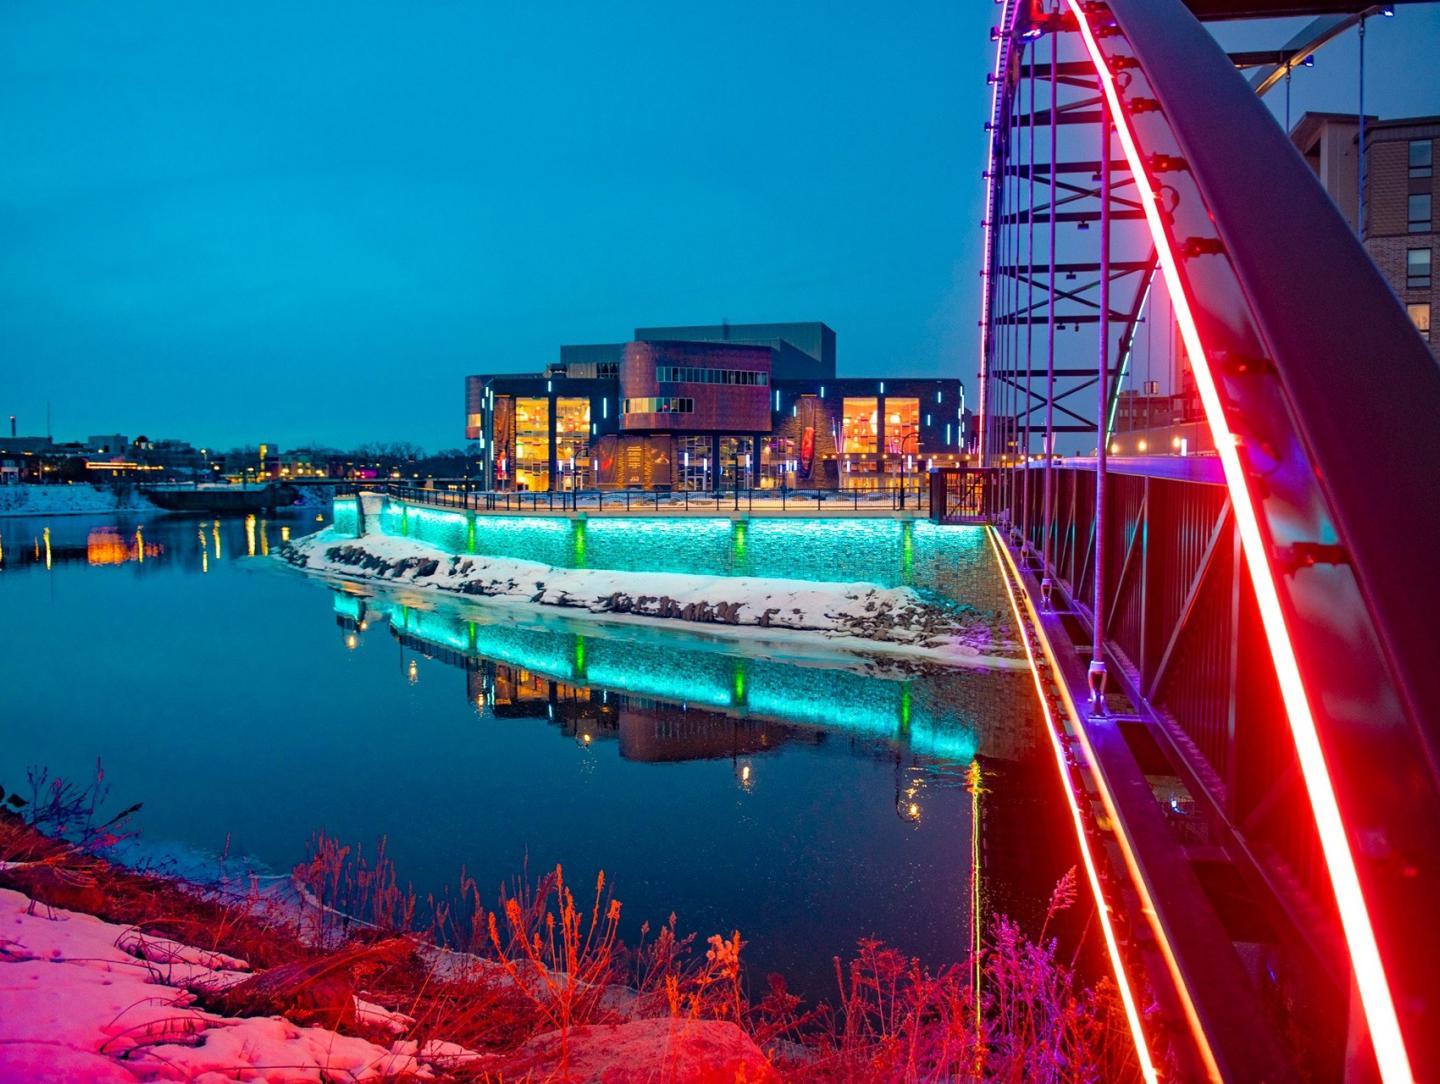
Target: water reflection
column 938, row 712
column 36, row 543
column 800, row 799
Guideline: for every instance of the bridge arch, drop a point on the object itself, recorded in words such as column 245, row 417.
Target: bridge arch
column 1135, row 178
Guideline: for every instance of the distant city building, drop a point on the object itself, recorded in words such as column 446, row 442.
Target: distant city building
column 1399, row 207
column 703, row 408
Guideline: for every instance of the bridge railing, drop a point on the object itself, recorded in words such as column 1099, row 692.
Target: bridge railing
column 914, row 496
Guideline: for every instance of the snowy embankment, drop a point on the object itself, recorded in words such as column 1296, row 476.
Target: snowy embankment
column 85, row 999
column 78, row 499
column 856, row 616
column 104, row 1002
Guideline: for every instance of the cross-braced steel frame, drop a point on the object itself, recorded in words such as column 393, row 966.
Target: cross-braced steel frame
column 1237, row 641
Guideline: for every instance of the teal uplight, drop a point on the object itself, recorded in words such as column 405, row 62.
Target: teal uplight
column 350, row 606
column 346, row 513
column 949, row 561
column 699, row 547
column 869, row 707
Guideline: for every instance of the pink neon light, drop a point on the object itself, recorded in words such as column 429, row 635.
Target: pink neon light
column 1001, row 42
column 1375, row 997
column 1102, row 906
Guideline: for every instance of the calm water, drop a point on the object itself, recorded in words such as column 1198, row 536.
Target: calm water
column 803, row 802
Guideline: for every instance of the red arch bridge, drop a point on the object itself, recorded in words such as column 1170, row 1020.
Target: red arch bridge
column 1235, row 642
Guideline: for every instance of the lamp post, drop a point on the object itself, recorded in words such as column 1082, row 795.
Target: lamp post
column 735, row 473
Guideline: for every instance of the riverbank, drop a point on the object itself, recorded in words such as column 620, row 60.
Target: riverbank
column 856, row 616
column 75, row 499
column 115, row 976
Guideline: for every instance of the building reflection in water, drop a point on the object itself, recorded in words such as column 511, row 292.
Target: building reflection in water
column 107, row 546
column 659, row 699
column 166, row 539
column 102, row 546
column 662, row 700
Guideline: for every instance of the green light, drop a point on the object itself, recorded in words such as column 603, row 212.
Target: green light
column 578, row 530
column 842, row 701
column 951, row 561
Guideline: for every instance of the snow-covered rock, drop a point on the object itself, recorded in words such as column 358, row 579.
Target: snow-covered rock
column 859, row 613
column 76, row 1005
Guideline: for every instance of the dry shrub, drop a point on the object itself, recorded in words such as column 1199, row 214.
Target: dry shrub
column 490, row 980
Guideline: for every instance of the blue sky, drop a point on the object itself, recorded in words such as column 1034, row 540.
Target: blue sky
column 308, row 222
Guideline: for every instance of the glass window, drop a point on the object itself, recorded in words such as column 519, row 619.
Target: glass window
column 1419, row 213
column 734, row 462
column 572, row 442
column 1417, row 269
column 692, row 456
column 1422, row 157
column 1420, row 313
column 902, row 426
column 859, row 420
column 532, row 444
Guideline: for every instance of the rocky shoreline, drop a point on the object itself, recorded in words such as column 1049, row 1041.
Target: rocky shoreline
column 886, row 617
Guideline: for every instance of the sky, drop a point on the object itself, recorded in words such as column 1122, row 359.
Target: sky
column 306, row 223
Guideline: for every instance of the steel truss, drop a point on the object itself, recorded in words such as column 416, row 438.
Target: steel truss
column 1244, row 637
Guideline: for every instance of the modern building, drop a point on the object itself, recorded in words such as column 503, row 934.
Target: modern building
column 1396, row 219
column 704, row 408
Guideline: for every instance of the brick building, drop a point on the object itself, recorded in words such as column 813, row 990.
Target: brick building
column 704, row 408
column 1399, row 205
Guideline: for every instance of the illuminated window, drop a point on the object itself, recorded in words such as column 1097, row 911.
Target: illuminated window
column 692, row 459
column 1422, row 157
column 902, row 426
column 860, row 426
column 1418, row 213
column 1420, row 313
column 1417, row 269
column 532, row 444
column 572, row 442
column 659, row 404
column 734, row 461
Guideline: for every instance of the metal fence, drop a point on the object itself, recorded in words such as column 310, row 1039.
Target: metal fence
column 457, row 494
column 1185, row 641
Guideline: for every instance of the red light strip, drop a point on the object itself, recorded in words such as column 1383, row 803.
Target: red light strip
column 1375, row 997
column 1102, row 907
column 1132, row 864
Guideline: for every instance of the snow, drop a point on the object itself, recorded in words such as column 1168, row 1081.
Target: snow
column 77, row 1005
column 79, row 499
column 855, row 616
column 86, row 999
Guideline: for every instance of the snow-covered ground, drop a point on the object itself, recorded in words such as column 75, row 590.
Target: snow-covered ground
column 82, row 999
column 853, row 616
column 85, row 999
column 79, row 499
